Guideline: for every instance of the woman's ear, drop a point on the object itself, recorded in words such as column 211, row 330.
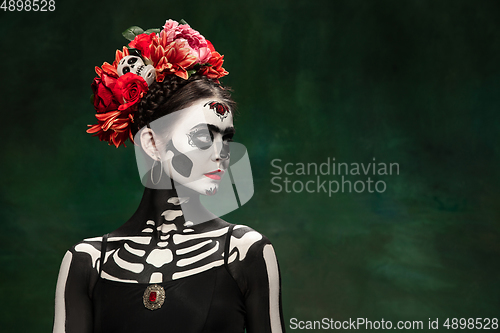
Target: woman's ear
column 148, row 144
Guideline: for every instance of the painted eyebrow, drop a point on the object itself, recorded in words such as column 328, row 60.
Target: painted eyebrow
column 216, row 129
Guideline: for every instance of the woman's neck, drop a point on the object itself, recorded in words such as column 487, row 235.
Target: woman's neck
column 164, row 206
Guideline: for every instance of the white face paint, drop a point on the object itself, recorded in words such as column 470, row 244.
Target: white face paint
column 197, row 155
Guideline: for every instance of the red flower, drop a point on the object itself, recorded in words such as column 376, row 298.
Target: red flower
column 215, row 71
column 142, row 42
column 130, row 88
column 104, row 99
column 115, row 118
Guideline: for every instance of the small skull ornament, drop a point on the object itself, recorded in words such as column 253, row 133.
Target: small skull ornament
column 134, row 64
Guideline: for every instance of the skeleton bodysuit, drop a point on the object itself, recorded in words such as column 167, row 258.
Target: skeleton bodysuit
column 217, row 277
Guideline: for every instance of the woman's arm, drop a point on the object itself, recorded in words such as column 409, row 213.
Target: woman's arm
column 73, row 307
column 257, row 273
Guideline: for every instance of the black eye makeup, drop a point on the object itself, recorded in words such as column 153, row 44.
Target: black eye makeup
column 228, row 137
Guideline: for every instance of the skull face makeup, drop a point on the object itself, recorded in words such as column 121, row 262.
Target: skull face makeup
column 196, row 154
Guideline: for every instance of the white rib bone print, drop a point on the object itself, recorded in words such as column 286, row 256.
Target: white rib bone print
column 189, row 253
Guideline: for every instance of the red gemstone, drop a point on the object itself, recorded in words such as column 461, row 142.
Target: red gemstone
column 152, row 296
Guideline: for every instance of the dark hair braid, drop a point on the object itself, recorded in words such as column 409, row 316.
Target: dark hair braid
column 175, row 93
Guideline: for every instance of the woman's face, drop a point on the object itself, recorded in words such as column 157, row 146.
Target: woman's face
column 197, row 154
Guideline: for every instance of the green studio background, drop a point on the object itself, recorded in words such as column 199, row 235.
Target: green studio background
column 408, row 82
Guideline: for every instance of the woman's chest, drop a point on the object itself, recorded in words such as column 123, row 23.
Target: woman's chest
column 155, row 257
column 205, row 302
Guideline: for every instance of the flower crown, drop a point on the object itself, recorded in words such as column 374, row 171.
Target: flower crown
column 151, row 55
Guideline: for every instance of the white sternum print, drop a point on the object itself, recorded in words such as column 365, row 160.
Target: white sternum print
column 191, row 254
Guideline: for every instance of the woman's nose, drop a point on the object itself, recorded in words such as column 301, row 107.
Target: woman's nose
column 217, row 146
column 220, row 152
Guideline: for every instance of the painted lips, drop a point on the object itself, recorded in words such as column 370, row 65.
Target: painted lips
column 216, row 175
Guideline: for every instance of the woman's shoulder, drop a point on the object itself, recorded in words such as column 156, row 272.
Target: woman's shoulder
column 244, row 231
column 247, row 242
column 87, row 251
column 87, row 243
column 81, row 263
column 240, row 232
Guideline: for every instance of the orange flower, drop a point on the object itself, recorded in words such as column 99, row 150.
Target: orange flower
column 111, row 69
column 215, row 71
column 174, row 58
column 113, row 127
column 119, row 55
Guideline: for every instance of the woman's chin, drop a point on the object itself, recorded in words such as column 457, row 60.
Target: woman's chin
column 211, row 191
column 209, row 188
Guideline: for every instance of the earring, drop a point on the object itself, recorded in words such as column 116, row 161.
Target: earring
column 161, row 171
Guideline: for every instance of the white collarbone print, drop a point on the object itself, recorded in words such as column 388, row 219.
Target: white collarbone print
column 178, row 250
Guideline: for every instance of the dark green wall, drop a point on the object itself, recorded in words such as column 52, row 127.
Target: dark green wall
column 410, row 82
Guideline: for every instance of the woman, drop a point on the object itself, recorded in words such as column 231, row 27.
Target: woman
column 173, row 266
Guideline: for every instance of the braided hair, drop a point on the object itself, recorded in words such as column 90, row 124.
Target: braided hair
column 176, row 93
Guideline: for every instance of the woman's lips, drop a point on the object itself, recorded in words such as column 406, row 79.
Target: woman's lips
column 216, row 175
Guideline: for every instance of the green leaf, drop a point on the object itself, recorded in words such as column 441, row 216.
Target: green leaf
column 131, row 32
column 183, row 22
column 157, row 31
column 191, row 72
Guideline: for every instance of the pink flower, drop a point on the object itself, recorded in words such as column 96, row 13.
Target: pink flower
column 169, row 30
column 197, row 43
column 204, row 54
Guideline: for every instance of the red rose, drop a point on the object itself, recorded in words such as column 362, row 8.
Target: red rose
column 130, row 88
column 115, row 101
column 104, row 99
column 142, row 42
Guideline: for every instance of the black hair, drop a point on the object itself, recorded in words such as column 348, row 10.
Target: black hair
column 176, row 93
